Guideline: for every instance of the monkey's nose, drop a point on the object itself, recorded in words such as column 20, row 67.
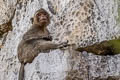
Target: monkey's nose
column 43, row 18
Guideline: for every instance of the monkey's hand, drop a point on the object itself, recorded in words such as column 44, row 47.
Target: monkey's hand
column 63, row 45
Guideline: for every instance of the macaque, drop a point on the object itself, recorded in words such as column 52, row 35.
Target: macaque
column 37, row 39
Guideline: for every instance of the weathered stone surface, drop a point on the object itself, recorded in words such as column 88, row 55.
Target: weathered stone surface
column 7, row 12
column 81, row 22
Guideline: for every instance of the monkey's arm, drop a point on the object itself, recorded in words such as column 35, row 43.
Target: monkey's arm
column 48, row 45
column 110, row 47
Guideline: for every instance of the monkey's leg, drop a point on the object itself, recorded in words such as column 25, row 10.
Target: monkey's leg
column 21, row 72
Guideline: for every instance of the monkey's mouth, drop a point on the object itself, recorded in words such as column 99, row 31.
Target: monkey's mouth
column 43, row 20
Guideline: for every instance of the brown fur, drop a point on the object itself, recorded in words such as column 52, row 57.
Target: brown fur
column 35, row 40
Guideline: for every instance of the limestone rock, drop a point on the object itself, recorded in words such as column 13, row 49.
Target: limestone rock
column 81, row 22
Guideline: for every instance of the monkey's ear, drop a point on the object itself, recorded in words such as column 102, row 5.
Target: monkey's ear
column 31, row 19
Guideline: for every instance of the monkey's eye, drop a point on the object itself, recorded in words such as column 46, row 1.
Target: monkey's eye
column 38, row 14
column 45, row 14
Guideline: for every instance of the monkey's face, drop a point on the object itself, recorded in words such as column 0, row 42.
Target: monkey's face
column 42, row 18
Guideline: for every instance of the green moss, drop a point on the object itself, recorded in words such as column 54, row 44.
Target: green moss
column 116, row 45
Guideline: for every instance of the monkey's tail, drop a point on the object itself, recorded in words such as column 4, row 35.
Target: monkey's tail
column 21, row 72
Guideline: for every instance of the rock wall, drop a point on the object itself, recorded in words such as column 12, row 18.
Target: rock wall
column 80, row 22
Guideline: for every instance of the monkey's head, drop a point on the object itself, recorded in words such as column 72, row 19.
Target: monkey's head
column 41, row 18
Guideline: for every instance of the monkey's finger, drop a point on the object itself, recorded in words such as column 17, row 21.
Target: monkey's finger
column 63, row 45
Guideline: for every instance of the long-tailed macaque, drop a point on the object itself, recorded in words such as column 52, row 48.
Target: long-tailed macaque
column 37, row 39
